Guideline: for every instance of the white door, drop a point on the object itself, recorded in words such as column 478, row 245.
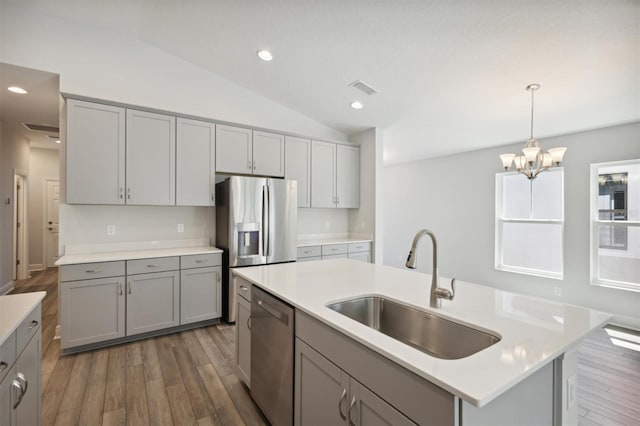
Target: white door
column 52, row 227
column 323, row 174
column 297, row 166
column 20, row 228
column 195, row 163
column 234, row 150
column 268, row 154
column 348, row 176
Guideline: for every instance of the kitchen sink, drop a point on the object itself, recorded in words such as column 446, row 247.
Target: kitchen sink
column 424, row 331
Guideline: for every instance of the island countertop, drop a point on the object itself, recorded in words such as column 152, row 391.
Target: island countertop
column 533, row 331
column 14, row 308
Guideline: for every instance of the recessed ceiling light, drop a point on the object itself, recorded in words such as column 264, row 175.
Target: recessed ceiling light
column 356, row 105
column 265, row 55
column 57, row 141
column 18, row 90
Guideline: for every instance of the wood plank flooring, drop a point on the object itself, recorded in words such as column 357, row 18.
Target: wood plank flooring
column 180, row 379
column 187, row 378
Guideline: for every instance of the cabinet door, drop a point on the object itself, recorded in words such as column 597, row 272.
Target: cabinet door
column 195, row 163
column 6, row 390
column 91, row 311
column 348, row 176
column 321, row 389
column 243, row 341
column 200, row 294
column 323, row 174
column 297, row 165
column 95, row 153
column 268, row 154
column 151, row 158
column 153, row 302
column 368, row 409
column 234, row 150
column 28, row 365
column 363, row 256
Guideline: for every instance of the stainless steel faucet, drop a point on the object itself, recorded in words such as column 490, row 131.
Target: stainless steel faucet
column 437, row 292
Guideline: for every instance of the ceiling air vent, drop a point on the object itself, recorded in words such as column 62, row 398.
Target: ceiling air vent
column 41, row 128
column 363, row 87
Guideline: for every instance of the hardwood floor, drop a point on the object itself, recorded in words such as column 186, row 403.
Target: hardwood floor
column 187, row 378
column 183, row 379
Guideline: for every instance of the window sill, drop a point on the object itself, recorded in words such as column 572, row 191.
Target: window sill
column 532, row 272
column 617, row 285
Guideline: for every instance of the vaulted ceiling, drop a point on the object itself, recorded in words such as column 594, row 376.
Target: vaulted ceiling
column 451, row 74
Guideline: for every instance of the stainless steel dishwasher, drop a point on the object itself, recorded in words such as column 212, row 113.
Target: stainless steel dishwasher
column 272, row 335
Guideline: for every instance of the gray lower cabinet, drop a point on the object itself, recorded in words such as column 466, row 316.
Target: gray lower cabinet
column 200, row 291
column 325, row 394
column 92, row 311
column 153, row 301
column 28, row 371
column 243, row 341
column 6, row 389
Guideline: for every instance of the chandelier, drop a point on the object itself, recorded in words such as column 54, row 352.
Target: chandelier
column 534, row 161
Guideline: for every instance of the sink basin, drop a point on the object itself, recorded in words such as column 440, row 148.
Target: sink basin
column 424, row 331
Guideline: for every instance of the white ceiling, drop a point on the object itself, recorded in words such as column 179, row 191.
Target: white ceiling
column 451, row 74
column 38, row 106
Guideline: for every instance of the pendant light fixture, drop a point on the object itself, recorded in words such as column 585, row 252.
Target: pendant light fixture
column 533, row 161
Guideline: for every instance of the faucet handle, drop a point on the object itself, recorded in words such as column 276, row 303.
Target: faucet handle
column 445, row 293
column 453, row 288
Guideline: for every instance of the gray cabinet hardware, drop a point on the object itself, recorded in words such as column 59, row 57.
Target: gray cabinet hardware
column 343, row 398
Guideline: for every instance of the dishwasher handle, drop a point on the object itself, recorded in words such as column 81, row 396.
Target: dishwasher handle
column 281, row 316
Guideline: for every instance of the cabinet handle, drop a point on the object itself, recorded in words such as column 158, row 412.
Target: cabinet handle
column 213, row 196
column 93, row 271
column 3, row 366
column 120, row 289
column 128, row 193
column 16, row 386
column 244, row 288
column 32, row 324
column 353, row 404
column 337, row 200
column 249, row 323
column 218, row 275
column 249, row 165
column 129, row 285
column 121, row 193
column 343, row 398
column 24, row 383
column 202, row 260
column 254, row 164
column 153, row 266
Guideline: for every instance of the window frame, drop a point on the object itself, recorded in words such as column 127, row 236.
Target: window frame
column 595, row 222
column 499, row 221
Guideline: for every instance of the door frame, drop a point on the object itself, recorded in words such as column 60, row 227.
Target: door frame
column 45, row 208
column 21, row 271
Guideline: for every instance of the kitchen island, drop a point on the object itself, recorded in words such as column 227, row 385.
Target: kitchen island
column 525, row 378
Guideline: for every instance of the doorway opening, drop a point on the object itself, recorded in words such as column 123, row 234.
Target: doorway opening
column 20, row 257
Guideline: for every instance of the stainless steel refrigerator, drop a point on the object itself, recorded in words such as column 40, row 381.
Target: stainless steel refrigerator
column 256, row 220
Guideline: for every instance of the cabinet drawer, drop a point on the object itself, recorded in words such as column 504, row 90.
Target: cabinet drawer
column 334, row 249
column 309, row 251
column 243, row 288
column 200, row 260
column 27, row 329
column 359, row 247
column 309, row 259
column 154, row 264
column 335, row 256
column 7, row 355
column 87, row 271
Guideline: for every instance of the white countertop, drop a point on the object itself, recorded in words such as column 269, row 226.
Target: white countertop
column 14, row 308
column 327, row 241
column 534, row 331
column 71, row 259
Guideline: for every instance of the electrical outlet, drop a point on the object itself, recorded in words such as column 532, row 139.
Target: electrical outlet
column 181, row 227
column 571, row 391
column 557, row 291
column 111, row 230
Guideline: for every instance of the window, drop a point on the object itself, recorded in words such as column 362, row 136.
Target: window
column 615, row 224
column 530, row 223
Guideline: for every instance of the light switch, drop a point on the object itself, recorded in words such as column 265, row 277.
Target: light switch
column 111, row 230
column 181, row 227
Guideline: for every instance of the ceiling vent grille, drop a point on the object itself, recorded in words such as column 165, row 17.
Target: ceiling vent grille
column 363, row 87
column 41, row 128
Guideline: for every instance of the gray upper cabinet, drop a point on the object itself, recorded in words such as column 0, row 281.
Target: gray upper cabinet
column 348, row 176
column 323, row 174
column 268, row 154
column 234, row 150
column 195, row 163
column 335, row 175
column 151, row 158
column 95, row 153
column 298, row 166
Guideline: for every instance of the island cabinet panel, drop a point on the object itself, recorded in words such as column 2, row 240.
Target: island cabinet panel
column 5, row 396
column 28, row 370
column 417, row 399
column 95, row 153
column 151, row 158
column 153, row 302
column 91, row 310
column 195, row 163
column 243, row 341
column 369, row 409
column 298, row 167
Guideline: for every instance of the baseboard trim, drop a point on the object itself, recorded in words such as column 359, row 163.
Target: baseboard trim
column 6, row 288
column 36, row 267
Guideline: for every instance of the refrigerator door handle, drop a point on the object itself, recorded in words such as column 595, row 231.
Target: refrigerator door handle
column 265, row 220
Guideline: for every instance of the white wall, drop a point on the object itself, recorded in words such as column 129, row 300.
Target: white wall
column 454, row 196
column 43, row 163
column 322, row 221
column 14, row 154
